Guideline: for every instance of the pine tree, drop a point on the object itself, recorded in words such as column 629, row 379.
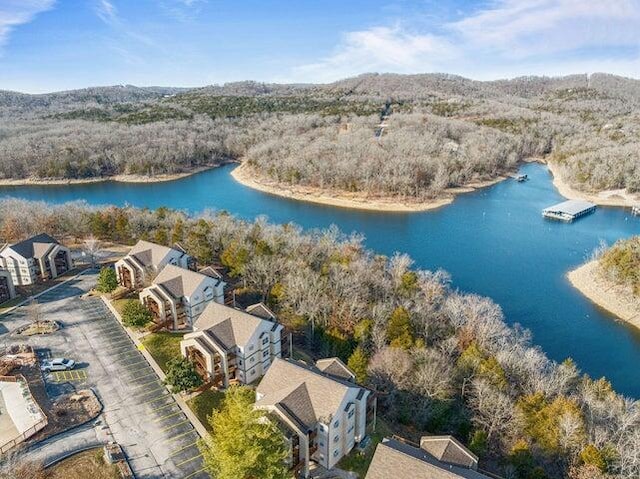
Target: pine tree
column 107, row 280
column 244, row 444
column 358, row 363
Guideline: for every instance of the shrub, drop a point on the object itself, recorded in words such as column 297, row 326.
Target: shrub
column 107, row 280
column 135, row 314
column 182, row 375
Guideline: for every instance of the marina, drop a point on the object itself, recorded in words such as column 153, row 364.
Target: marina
column 569, row 210
column 525, row 275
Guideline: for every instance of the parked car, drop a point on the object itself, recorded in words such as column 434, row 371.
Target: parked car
column 58, row 364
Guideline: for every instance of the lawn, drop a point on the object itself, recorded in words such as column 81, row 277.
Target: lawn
column 163, row 347
column 90, row 463
column 204, row 404
column 359, row 462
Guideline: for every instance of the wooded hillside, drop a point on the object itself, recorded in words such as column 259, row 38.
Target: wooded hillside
column 442, row 131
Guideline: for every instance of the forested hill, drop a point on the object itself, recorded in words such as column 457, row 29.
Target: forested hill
column 443, row 131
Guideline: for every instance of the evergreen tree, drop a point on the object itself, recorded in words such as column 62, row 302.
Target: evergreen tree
column 182, row 375
column 244, row 444
column 400, row 329
column 358, row 363
column 135, row 314
column 107, row 280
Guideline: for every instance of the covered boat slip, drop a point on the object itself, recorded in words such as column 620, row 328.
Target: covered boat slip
column 569, row 210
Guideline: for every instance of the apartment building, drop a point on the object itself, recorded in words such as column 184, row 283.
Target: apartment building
column 39, row 258
column 145, row 260
column 324, row 414
column 231, row 346
column 178, row 296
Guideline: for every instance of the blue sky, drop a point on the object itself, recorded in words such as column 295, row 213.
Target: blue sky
column 48, row 45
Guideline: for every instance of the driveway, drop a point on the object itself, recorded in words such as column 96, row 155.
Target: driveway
column 139, row 413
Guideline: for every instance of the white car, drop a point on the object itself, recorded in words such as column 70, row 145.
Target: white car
column 58, row 364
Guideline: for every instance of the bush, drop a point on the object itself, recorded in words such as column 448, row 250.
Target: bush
column 182, row 375
column 107, row 280
column 135, row 314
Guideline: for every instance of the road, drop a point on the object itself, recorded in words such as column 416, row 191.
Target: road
column 139, row 413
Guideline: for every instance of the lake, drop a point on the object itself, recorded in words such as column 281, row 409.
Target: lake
column 493, row 242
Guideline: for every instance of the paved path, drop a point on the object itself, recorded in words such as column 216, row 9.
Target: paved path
column 139, row 412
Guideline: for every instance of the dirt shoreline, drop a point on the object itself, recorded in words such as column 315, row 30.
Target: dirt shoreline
column 613, row 298
column 603, row 198
column 243, row 175
column 118, row 178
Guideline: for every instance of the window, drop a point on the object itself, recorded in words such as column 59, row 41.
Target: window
column 321, row 444
column 336, row 424
column 251, row 348
column 336, row 438
column 253, row 371
column 350, row 429
column 351, row 413
column 265, row 354
column 196, row 298
column 252, row 359
column 336, row 452
column 265, row 341
column 239, row 362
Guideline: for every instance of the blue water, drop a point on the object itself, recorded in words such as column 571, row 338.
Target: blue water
column 494, row 242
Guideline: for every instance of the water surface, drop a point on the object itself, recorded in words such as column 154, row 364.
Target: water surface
column 494, row 242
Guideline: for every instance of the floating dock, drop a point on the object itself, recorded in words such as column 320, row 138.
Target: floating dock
column 569, row 210
column 636, row 210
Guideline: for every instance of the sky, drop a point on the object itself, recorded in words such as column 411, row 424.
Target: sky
column 51, row 45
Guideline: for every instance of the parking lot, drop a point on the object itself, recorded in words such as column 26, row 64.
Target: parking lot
column 141, row 414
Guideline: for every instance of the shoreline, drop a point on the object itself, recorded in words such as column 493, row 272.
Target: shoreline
column 608, row 296
column 101, row 179
column 603, row 198
column 243, row 175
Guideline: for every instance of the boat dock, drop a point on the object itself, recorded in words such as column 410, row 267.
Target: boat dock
column 636, row 210
column 569, row 210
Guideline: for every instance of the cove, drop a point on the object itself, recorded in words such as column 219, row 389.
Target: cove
column 493, row 242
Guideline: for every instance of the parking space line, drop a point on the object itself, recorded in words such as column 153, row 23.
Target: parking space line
column 188, row 460
column 142, row 376
column 122, row 353
column 144, row 384
column 138, row 364
column 119, row 347
column 164, row 396
column 147, row 393
column 178, row 451
column 194, row 473
column 186, row 421
column 160, row 419
column 163, row 407
column 181, row 435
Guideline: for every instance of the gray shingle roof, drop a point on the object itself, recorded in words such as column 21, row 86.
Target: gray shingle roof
column 149, row 254
column 179, row 281
column 34, row 245
column 393, row 457
column 335, row 367
column 231, row 326
column 325, row 394
column 448, row 449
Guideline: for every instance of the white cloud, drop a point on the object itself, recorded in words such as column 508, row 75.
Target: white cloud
column 379, row 49
column 107, row 12
column 14, row 13
column 518, row 36
column 521, row 28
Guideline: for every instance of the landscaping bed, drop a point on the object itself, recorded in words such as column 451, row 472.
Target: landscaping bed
column 204, row 404
column 40, row 327
column 163, row 347
column 85, row 464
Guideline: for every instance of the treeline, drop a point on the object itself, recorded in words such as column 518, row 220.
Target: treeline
column 439, row 360
column 621, row 264
column 443, row 131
